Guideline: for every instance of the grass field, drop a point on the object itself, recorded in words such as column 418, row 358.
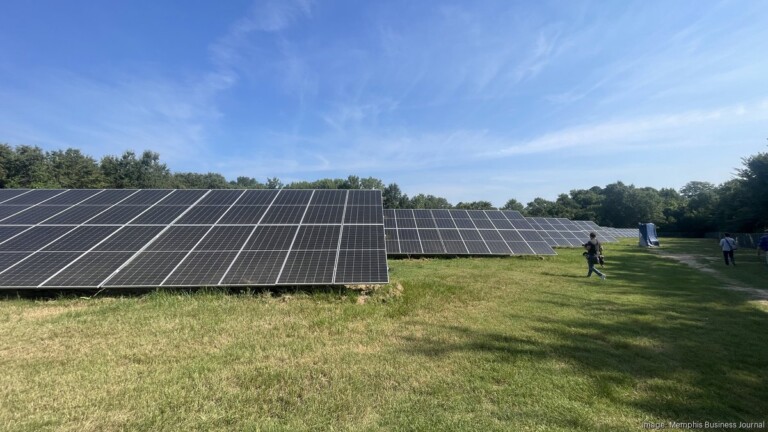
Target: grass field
column 517, row 343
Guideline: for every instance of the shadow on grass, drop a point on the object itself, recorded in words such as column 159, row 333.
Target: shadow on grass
column 665, row 341
column 273, row 291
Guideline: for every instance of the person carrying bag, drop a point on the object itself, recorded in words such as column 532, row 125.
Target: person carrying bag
column 728, row 245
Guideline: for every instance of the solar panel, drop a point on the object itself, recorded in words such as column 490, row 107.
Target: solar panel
column 149, row 238
column 460, row 232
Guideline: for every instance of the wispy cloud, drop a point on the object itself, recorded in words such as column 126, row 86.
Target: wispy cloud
column 658, row 130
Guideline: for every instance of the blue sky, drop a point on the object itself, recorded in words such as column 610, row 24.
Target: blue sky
column 485, row 100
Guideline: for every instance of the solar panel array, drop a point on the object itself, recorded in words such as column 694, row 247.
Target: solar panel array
column 149, row 238
column 461, row 232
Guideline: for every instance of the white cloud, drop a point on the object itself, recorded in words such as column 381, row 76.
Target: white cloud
column 659, row 130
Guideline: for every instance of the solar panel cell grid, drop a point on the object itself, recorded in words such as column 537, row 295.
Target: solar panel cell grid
column 203, row 215
column 34, row 238
column 520, row 248
column 498, row 247
column 89, row 270
column 329, row 197
column 109, row 197
column 33, row 215
column 36, row 196
column 324, row 214
column 178, row 238
column 6, row 211
column 363, row 215
column 405, row 222
column 7, row 232
column 81, row 238
column 182, row 197
column 455, row 247
column 8, row 259
column 410, row 247
column 221, row 197
column 477, row 247
column 425, row 223
column 429, row 234
column 277, row 237
column 129, row 238
column 71, row 197
column 360, row 266
column 148, row 269
column 146, row 197
column 317, row 237
column 255, row 268
column 117, row 215
column 257, row 197
column 159, row 215
column 225, row 238
column 76, row 215
column 308, row 267
column 201, row 268
column 362, row 237
column 7, row 194
column 445, row 223
column 243, row 215
column 364, row 198
column 33, row 270
column 502, row 224
column 465, row 223
column 283, row 214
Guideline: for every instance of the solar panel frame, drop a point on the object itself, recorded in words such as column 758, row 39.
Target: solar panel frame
column 9, row 194
column 35, row 197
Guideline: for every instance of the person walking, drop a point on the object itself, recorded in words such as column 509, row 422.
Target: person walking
column 728, row 245
column 594, row 249
column 762, row 245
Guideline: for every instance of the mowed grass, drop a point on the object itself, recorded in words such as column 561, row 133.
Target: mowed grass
column 750, row 269
column 516, row 343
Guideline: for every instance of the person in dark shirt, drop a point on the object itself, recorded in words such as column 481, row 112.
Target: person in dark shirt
column 762, row 245
column 594, row 249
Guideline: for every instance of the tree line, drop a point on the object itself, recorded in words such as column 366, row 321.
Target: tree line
column 739, row 204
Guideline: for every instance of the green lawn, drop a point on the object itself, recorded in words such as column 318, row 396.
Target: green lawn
column 518, row 343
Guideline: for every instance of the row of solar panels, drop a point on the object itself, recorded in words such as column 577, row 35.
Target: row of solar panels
column 149, row 238
column 484, row 232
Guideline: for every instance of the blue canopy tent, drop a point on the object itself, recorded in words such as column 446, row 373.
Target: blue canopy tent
column 647, row 235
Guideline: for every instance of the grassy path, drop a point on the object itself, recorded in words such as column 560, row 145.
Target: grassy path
column 749, row 276
column 516, row 343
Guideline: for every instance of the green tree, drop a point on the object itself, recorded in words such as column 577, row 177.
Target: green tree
column 701, row 199
column 200, row 181
column 587, row 202
column 244, row 182
column 541, row 207
column 422, row 201
column 352, row 182
column 274, row 183
column 371, row 183
column 394, row 198
column 73, row 170
column 30, row 168
column 6, row 164
column 128, row 171
column 475, row 205
column 754, row 181
column 513, row 204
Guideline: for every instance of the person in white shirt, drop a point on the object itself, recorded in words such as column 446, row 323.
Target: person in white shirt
column 728, row 245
